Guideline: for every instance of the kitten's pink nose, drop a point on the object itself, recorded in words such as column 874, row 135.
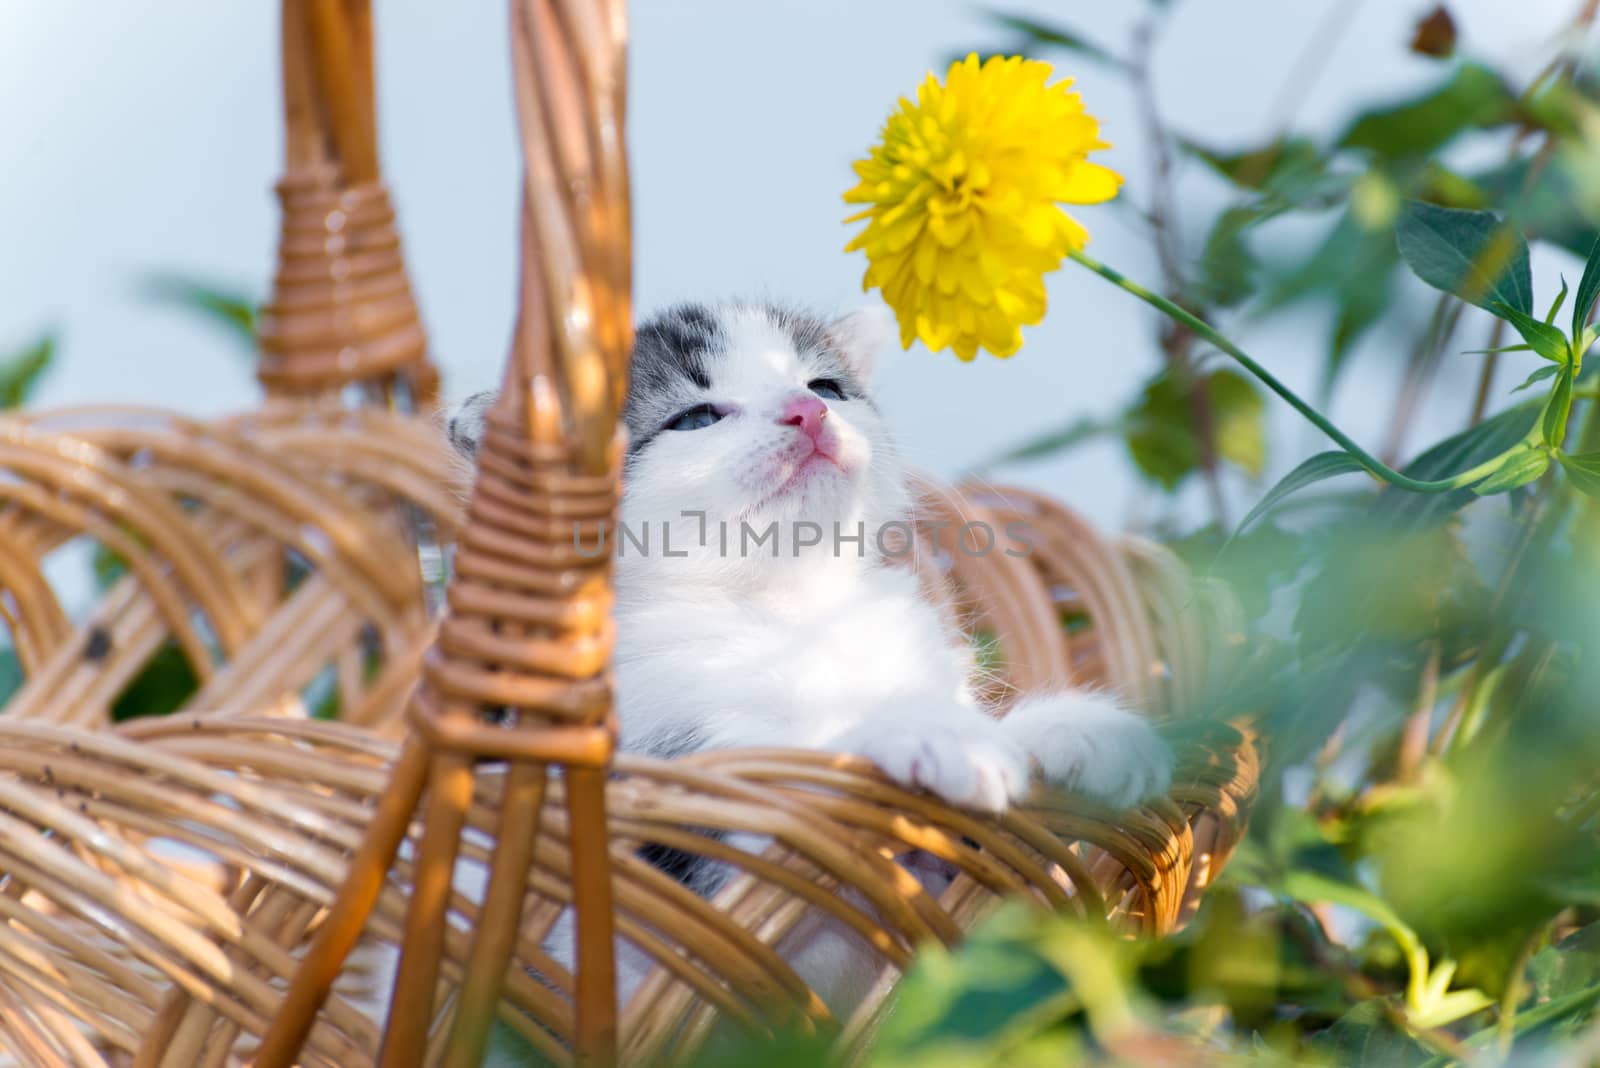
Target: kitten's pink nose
column 806, row 412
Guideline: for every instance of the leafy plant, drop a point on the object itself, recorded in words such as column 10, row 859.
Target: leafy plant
column 1421, row 884
column 227, row 309
column 20, row 374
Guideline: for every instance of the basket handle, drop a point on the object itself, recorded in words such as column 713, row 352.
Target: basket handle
column 529, row 628
column 569, row 358
column 342, row 312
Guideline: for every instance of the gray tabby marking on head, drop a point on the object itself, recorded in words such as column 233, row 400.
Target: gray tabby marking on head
column 673, row 355
column 670, row 368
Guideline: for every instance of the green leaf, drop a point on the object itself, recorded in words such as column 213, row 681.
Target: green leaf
column 1524, row 347
column 1471, row 254
column 1367, row 1035
column 1354, row 268
column 20, row 374
column 1160, row 428
column 1555, row 413
column 1473, row 98
column 1238, row 416
column 232, row 311
column 1438, row 184
column 1455, row 454
column 1055, row 441
column 1292, row 169
column 1542, row 338
column 1584, row 471
column 1314, row 887
column 1252, row 564
column 11, row 674
column 1567, row 1013
column 1322, row 466
column 1556, row 201
column 108, row 567
column 1555, row 307
column 1538, row 376
column 1163, row 448
column 165, row 682
column 1588, row 289
column 1227, row 266
column 998, row 984
column 1470, row 447
column 1038, row 34
column 1382, row 582
column 1519, row 469
column 1570, row 965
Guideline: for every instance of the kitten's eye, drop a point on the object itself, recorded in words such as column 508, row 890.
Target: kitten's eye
column 696, row 418
column 826, row 388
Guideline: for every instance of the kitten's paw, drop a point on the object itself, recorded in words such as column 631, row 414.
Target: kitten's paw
column 1089, row 743
column 972, row 765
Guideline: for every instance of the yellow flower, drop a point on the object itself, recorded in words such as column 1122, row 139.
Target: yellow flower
column 964, row 188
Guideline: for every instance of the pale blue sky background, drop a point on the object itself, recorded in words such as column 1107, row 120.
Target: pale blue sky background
column 146, row 137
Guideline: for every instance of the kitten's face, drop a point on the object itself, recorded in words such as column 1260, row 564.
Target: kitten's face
column 755, row 416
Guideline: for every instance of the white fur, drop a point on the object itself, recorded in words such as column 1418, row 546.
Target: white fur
column 818, row 648
column 823, row 648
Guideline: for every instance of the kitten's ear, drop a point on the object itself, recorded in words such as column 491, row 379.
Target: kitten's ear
column 862, row 335
column 466, row 422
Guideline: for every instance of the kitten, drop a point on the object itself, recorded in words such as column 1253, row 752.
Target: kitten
column 742, row 620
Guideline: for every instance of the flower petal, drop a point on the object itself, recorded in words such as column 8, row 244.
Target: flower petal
column 1090, row 183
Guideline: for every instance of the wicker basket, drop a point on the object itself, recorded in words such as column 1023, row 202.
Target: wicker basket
column 186, row 890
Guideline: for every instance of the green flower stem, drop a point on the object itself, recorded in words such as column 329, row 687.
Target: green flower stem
column 1373, row 465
